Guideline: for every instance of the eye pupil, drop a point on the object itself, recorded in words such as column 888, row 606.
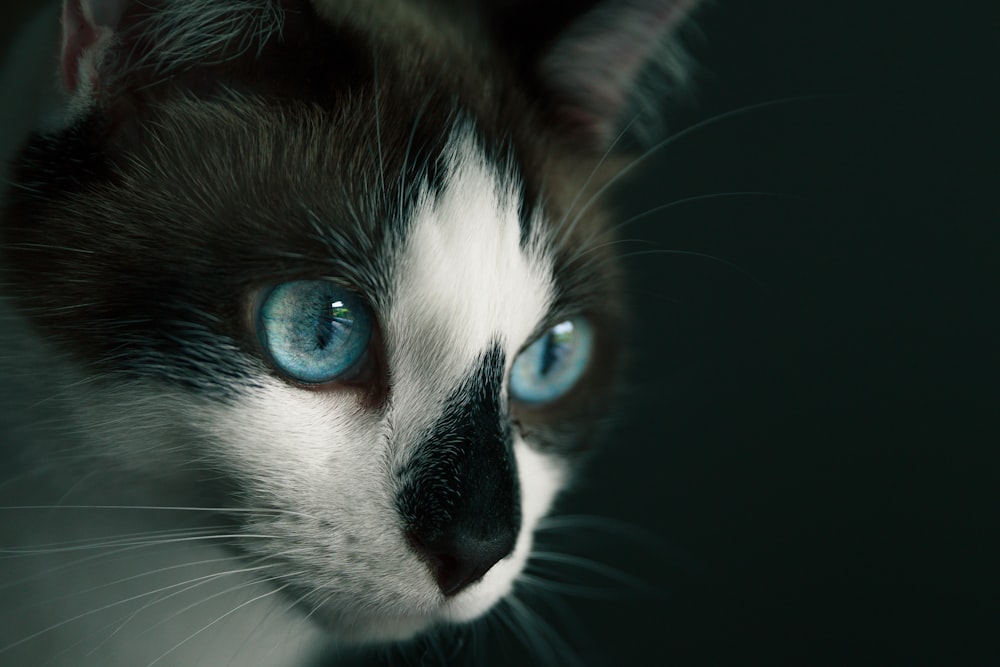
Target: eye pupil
column 337, row 323
column 315, row 331
column 550, row 355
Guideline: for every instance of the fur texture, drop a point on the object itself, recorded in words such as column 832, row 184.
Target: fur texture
column 172, row 490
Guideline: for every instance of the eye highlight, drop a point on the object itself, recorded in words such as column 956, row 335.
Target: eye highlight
column 551, row 366
column 314, row 330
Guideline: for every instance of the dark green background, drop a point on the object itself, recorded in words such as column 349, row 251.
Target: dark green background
column 814, row 433
column 810, row 434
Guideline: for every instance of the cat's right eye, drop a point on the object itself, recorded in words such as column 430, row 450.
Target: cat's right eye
column 315, row 331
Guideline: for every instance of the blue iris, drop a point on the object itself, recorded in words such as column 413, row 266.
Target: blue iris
column 314, row 330
column 553, row 364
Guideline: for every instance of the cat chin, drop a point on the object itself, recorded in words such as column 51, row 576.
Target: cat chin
column 387, row 629
column 355, row 627
column 374, row 629
column 359, row 628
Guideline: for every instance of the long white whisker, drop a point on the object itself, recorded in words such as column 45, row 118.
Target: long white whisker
column 510, row 617
column 134, row 577
column 378, row 123
column 288, row 607
column 698, row 198
column 674, row 138
column 264, row 511
column 188, row 585
column 85, row 614
column 590, row 565
column 193, row 605
column 130, row 551
column 141, row 543
column 701, row 255
column 576, row 590
column 220, row 618
column 110, row 540
column 590, row 177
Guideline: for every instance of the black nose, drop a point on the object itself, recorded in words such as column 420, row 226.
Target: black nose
column 457, row 560
column 460, row 499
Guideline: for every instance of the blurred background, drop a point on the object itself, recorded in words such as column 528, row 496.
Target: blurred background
column 812, row 431
column 806, row 469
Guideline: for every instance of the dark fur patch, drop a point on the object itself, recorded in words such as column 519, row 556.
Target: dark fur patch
column 462, row 477
column 137, row 238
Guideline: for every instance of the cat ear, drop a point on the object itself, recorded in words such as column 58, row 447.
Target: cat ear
column 89, row 30
column 605, row 72
column 110, row 47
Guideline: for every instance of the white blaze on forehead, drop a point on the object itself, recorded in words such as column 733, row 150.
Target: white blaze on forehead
column 465, row 281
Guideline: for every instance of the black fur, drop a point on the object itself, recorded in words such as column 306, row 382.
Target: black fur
column 460, row 494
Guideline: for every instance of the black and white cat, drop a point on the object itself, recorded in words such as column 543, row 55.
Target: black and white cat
column 310, row 310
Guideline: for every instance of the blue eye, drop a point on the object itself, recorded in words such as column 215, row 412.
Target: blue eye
column 553, row 364
column 315, row 331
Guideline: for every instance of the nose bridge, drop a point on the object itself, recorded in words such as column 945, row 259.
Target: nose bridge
column 459, row 500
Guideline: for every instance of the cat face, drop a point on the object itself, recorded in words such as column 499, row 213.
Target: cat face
column 376, row 492
column 354, row 292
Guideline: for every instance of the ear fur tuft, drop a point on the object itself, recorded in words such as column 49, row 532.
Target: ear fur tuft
column 88, row 29
column 108, row 41
column 596, row 70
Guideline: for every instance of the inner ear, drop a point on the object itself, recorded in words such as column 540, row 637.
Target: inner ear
column 88, row 29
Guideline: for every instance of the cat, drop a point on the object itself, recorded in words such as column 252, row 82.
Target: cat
column 310, row 312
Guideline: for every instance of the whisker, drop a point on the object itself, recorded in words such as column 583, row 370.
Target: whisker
column 220, row 618
column 509, row 617
column 699, row 198
column 193, row 605
column 587, row 522
column 546, row 635
column 591, row 248
column 591, row 566
column 186, row 586
column 762, row 286
column 263, row 511
column 378, row 122
column 113, row 540
column 251, row 632
column 576, row 590
column 674, row 138
column 313, row 607
column 133, row 577
column 177, row 540
column 577, row 524
column 409, row 148
column 593, row 172
column 130, row 552
column 85, row 614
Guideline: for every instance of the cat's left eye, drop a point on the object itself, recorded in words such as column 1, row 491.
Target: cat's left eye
column 314, row 330
column 551, row 366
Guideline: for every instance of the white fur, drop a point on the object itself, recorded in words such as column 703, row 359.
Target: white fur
column 463, row 283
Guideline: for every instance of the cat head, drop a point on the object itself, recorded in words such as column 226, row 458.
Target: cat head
column 339, row 267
